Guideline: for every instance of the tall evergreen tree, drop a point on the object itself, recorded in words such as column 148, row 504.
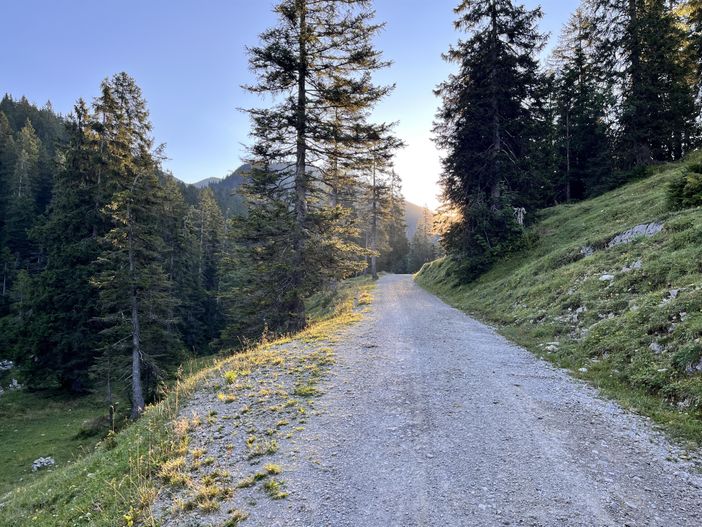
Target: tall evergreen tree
column 136, row 294
column 485, row 125
column 644, row 45
column 59, row 341
column 317, row 64
column 394, row 258
column 583, row 148
column 21, row 207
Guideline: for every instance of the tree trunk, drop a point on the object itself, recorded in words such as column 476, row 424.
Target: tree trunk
column 374, row 229
column 297, row 306
column 137, row 388
column 568, row 186
column 496, row 132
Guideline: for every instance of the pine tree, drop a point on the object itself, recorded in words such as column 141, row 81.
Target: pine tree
column 59, row 341
column 210, row 241
column 317, row 64
column 394, row 259
column 422, row 248
column 485, row 125
column 21, row 208
column 7, row 163
column 645, row 44
column 694, row 17
column 136, row 295
column 583, row 148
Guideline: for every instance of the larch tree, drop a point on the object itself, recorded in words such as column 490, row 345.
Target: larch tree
column 317, row 65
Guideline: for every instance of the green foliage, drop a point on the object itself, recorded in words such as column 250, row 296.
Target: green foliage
column 686, row 190
column 297, row 234
column 489, row 115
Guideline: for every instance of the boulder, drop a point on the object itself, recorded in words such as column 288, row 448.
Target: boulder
column 647, row 229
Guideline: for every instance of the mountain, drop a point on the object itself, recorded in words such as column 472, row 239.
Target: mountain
column 206, row 182
column 227, row 195
column 413, row 215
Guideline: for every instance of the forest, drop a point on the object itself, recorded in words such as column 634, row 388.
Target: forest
column 619, row 93
column 114, row 271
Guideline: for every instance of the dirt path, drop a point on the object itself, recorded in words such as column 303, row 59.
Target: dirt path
column 430, row 418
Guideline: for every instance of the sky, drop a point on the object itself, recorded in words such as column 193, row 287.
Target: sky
column 189, row 59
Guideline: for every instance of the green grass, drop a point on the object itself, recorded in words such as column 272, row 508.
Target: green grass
column 40, row 424
column 533, row 297
column 115, row 484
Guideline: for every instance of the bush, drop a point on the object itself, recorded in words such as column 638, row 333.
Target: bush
column 685, row 191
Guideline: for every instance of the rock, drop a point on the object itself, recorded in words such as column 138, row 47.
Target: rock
column 606, row 278
column 655, row 347
column 648, row 230
column 14, row 385
column 580, row 310
column 42, row 463
column 582, row 370
column 635, row 266
column 6, row 365
column 695, row 368
column 1, row 391
column 586, row 251
column 551, row 348
column 673, row 293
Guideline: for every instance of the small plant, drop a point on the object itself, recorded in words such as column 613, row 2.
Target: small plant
column 226, row 397
column 273, row 469
column 274, row 489
column 305, row 390
column 236, row 516
column 230, row 376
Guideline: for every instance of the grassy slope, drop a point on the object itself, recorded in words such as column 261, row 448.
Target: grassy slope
column 115, row 484
column 33, row 425
column 532, row 298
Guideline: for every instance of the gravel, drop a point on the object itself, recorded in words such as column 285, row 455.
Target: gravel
column 431, row 418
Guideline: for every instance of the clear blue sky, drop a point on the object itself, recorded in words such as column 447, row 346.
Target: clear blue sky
column 188, row 57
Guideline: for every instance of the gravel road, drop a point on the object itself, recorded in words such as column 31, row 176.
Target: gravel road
column 429, row 418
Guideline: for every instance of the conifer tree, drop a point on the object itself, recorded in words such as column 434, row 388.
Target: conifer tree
column 60, row 340
column 394, row 259
column 583, row 148
column 317, row 64
column 136, row 294
column 485, row 125
column 21, row 210
column 643, row 44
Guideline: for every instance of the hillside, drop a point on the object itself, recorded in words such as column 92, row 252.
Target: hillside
column 413, row 215
column 206, row 182
column 623, row 312
column 117, row 482
column 226, row 192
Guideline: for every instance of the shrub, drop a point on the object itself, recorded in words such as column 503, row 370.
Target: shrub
column 685, row 191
